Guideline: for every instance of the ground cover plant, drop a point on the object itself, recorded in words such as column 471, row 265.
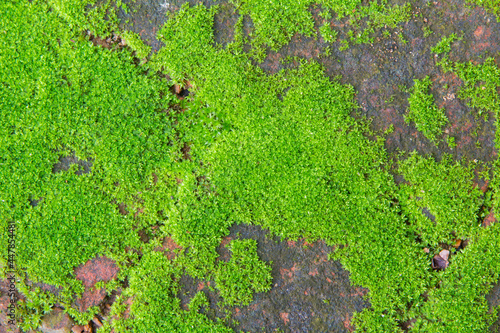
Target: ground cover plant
column 428, row 118
column 244, row 147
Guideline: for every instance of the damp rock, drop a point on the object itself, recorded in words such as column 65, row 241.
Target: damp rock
column 57, row 321
column 440, row 261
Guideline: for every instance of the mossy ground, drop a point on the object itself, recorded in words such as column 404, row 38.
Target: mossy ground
column 262, row 139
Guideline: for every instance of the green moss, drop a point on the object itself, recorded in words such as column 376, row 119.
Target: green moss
column 329, row 35
column 491, row 6
column 481, row 83
column 134, row 41
column 243, row 275
column 276, row 22
column 66, row 97
column 458, row 303
column 263, row 149
column 444, row 45
column 300, row 166
column 152, row 290
column 451, row 142
column 428, row 118
column 439, row 199
column 288, row 18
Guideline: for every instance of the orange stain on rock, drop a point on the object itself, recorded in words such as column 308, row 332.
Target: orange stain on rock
column 170, row 246
column 482, row 32
column 225, row 241
column 347, row 324
column 284, row 317
column 490, row 219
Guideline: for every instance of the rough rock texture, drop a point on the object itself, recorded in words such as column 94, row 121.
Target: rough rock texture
column 309, row 292
column 5, row 301
column 57, row 321
column 93, row 271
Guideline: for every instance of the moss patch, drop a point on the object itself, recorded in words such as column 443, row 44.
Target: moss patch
column 428, row 118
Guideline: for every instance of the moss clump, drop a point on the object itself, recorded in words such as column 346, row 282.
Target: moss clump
column 439, row 199
column 288, row 18
column 481, row 83
column 444, row 45
column 329, row 35
column 428, row 118
column 134, row 41
column 244, row 275
column 491, row 6
column 458, row 302
column 299, row 165
column 276, row 22
column 60, row 96
column 152, row 293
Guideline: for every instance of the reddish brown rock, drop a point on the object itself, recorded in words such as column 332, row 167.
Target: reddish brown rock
column 490, row 219
column 57, row 321
column 347, row 324
column 95, row 270
column 91, row 297
column 284, row 317
column 5, row 303
column 170, row 247
column 78, row 329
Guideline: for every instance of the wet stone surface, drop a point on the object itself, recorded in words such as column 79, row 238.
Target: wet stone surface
column 382, row 73
column 309, row 292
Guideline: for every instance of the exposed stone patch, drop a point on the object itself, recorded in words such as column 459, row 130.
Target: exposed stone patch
column 93, row 271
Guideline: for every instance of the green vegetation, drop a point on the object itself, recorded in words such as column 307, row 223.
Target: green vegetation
column 276, row 22
column 451, row 142
column 244, row 147
column 243, row 275
column 134, row 41
column 445, row 191
column 459, row 304
column 428, row 118
column 427, row 32
column 153, row 291
column 444, row 45
column 329, row 35
column 491, row 6
column 481, row 83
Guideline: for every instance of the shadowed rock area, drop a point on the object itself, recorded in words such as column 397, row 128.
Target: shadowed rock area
column 309, row 292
